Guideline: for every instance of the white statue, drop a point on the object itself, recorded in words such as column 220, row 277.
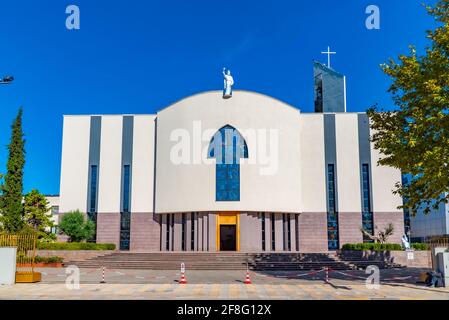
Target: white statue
column 405, row 242
column 228, row 83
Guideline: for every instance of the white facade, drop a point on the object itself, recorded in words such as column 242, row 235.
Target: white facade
column 171, row 173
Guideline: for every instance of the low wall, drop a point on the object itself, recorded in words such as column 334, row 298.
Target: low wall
column 74, row 255
column 421, row 259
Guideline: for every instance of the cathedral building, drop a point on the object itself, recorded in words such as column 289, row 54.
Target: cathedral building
column 231, row 171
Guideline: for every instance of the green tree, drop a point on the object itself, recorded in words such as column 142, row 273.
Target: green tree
column 415, row 138
column 37, row 214
column 11, row 190
column 76, row 227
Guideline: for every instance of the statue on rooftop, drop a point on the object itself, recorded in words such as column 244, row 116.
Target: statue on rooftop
column 228, row 83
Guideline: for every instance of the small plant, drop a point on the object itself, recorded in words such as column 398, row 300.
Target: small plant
column 76, row 226
column 382, row 236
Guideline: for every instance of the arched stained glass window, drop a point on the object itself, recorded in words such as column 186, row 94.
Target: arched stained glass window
column 227, row 146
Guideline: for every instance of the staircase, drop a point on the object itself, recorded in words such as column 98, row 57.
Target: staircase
column 230, row 261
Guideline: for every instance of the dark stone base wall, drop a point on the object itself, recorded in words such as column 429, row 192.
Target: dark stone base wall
column 108, row 228
column 313, row 232
column 145, row 232
column 349, row 225
column 382, row 219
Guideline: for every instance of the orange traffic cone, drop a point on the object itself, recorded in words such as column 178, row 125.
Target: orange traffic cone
column 183, row 279
column 247, row 279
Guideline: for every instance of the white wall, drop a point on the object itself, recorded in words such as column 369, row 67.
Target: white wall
column 348, row 162
column 383, row 183
column 143, row 164
column 312, row 164
column 191, row 187
column 74, row 163
column 110, row 169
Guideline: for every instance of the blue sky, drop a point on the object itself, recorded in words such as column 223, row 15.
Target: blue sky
column 140, row 56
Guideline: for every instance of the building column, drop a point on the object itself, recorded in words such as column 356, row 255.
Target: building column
column 293, row 232
column 188, row 235
column 279, row 232
column 163, row 232
column 212, row 217
column 177, row 232
column 200, row 231
column 196, row 234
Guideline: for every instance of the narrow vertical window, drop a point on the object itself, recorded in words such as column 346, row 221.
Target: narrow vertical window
column 192, row 232
column 367, row 214
column 273, row 233
column 172, row 232
column 167, row 234
column 286, row 232
column 263, row 231
column 297, row 231
column 92, row 213
column 289, row 230
column 332, row 215
column 125, row 217
column 93, row 188
column 126, row 186
column 125, row 226
column 183, row 232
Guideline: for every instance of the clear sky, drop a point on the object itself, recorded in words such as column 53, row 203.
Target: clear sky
column 140, row 56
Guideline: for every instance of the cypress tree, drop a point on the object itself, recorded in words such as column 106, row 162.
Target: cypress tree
column 12, row 190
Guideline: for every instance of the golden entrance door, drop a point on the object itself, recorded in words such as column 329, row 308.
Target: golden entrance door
column 228, row 232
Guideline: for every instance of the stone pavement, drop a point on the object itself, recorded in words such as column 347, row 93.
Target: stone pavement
column 317, row 291
column 225, row 285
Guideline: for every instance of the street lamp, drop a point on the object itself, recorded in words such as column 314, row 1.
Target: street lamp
column 7, row 80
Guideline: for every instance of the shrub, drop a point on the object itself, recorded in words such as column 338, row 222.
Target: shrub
column 74, row 225
column 75, row 246
column 53, row 259
column 420, row 246
column 373, row 246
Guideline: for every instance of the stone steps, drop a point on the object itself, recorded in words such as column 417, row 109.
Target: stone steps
column 226, row 261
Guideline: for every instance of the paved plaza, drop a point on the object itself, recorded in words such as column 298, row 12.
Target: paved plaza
column 226, row 285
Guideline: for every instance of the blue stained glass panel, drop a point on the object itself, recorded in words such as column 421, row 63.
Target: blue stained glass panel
column 227, row 146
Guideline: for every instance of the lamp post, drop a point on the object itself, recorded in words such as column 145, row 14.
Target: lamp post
column 7, row 80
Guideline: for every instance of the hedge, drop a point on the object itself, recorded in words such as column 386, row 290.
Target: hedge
column 75, row 246
column 383, row 247
column 54, row 259
column 420, row 246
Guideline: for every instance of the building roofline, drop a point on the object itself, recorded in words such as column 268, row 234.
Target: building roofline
column 234, row 91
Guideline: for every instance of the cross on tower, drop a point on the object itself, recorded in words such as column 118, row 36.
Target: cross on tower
column 329, row 53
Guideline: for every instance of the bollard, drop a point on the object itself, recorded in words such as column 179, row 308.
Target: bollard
column 327, row 274
column 103, row 276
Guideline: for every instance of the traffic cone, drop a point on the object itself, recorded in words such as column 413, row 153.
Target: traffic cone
column 247, row 279
column 183, row 278
column 183, row 274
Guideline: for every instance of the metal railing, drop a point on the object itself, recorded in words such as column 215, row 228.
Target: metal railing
column 26, row 253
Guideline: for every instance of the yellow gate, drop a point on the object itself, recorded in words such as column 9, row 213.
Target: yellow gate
column 26, row 252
